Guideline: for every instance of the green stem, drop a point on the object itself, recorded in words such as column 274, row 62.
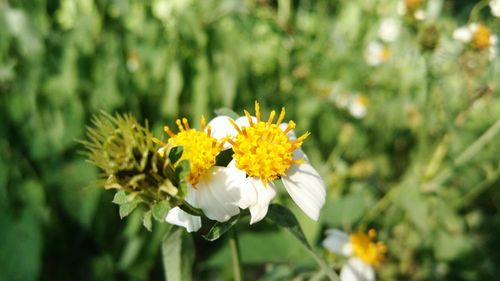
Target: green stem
column 474, row 14
column 381, row 205
column 326, row 269
column 235, row 255
column 186, row 207
column 464, row 157
column 477, row 190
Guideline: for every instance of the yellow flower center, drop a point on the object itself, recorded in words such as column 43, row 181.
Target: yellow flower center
column 366, row 249
column 385, row 54
column 263, row 149
column 197, row 146
column 481, row 39
column 413, row 4
column 362, row 100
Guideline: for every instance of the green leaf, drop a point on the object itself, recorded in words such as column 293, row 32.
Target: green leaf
column 175, row 154
column 448, row 246
column 416, row 207
column 160, row 210
column 182, row 169
column 224, row 111
column 285, row 218
column 146, row 220
column 178, row 255
column 220, row 228
column 127, row 208
column 21, row 249
column 120, row 197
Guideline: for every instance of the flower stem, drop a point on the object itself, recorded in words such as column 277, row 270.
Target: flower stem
column 475, row 12
column 235, row 255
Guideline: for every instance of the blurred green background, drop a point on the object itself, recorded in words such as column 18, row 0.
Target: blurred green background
column 409, row 146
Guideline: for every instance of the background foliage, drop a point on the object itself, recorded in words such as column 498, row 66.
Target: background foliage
column 421, row 167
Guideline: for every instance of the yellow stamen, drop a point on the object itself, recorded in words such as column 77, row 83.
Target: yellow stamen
column 257, row 111
column 481, row 39
column 366, row 249
column 203, row 122
column 186, row 123
column 179, row 125
column 263, row 149
column 248, row 117
column 271, row 117
column 168, row 131
column 281, row 116
column 199, row 147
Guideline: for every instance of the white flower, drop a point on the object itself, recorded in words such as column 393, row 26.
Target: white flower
column 265, row 151
column 462, row 34
column 389, row 29
column 358, row 106
column 420, row 14
column 495, row 7
column 208, row 186
column 376, row 53
column 362, row 251
column 479, row 36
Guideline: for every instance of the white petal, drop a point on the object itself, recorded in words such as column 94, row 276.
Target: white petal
column 215, row 196
column 389, row 29
column 462, row 34
column 495, row 7
column 338, row 242
column 357, row 270
column 221, row 128
column 243, row 121
column 247, row 195
column 264, row 196
column 306, row 187
column 179, row 217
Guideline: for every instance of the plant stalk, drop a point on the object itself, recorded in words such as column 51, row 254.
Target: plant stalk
column 235, row 255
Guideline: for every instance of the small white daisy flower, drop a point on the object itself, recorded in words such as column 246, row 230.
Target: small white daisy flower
column 364, row 254
column 265, row 151
column 420, row 14
column 495, row 7
column 479, row 36
column 358, row 106
column 376, row 53
column 389, row 29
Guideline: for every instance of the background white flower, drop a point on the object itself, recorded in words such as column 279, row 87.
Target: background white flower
column 376, row 53
column 389, row 29
column 362, row 251
column 495, row 7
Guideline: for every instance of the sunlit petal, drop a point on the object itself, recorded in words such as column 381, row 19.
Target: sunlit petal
column 338, row 242
column 357, row 270
column 179, row 217
column 264, row 196
column 306, row 187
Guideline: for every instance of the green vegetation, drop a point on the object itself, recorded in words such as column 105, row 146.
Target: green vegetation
column 405, row 124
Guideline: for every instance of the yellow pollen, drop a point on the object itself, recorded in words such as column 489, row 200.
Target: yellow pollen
column 363, row 100
column 385, row 54
column 263, row 149
column 198, row 147
column 413, row 4
column 366, row 249
column 481, row 39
